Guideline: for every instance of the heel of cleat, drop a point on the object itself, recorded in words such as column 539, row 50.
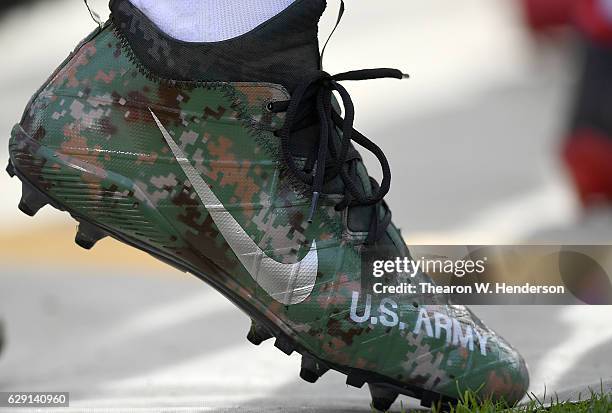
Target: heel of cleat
column 382, row 397
column 31, row 200
column 88, row 235
column 311, row 369
column 10, row 170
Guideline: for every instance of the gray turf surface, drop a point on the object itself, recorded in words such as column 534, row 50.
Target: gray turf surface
column 136, row 341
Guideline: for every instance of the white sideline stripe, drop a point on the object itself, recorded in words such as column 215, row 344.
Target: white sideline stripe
column 513, row 220
column 164, row 316
column 213, row 377
column 590, row 327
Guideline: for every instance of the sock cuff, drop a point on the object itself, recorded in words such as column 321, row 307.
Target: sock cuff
column 210, row 20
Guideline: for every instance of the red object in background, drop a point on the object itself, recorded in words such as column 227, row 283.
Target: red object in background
column 590, row 18
column 588, row 154
column 587, row 15
column 542, row 15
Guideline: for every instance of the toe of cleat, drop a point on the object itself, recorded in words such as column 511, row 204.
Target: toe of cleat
column 382, row 397
column 430, row 399
column 258, row 334
column 311, row 369
column 31, row 201
column 87, row 235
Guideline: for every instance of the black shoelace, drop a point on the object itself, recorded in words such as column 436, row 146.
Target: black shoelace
column 326, row 161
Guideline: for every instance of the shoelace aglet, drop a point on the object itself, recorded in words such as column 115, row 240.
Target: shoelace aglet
column 313, row 206
column 405, row 76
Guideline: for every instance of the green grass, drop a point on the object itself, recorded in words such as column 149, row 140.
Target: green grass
column 595, row 402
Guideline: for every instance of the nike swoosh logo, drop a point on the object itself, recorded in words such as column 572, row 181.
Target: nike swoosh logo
column 286, row 283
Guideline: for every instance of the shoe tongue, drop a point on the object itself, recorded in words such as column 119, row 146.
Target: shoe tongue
column 281, row 50
column 359, row 216
column 292, row 42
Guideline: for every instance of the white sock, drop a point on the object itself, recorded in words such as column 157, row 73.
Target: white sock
column 209, row 20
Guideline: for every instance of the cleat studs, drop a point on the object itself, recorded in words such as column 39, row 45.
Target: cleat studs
column 258, row 334
column 284, row 345
column 88, row 235
column 355, row 381
column 382, row 397
column 429, row 399
column 31, row 201
column 10, row 169
column 311, row 369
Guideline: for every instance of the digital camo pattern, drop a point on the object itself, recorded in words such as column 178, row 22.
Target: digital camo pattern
column 89, row 140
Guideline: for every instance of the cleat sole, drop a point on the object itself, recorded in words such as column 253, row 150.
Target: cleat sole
column 263, row 328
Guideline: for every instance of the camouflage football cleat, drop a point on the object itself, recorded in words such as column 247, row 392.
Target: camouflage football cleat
column 229, row 160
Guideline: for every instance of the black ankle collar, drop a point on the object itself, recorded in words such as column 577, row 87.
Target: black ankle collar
column 280, row 50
